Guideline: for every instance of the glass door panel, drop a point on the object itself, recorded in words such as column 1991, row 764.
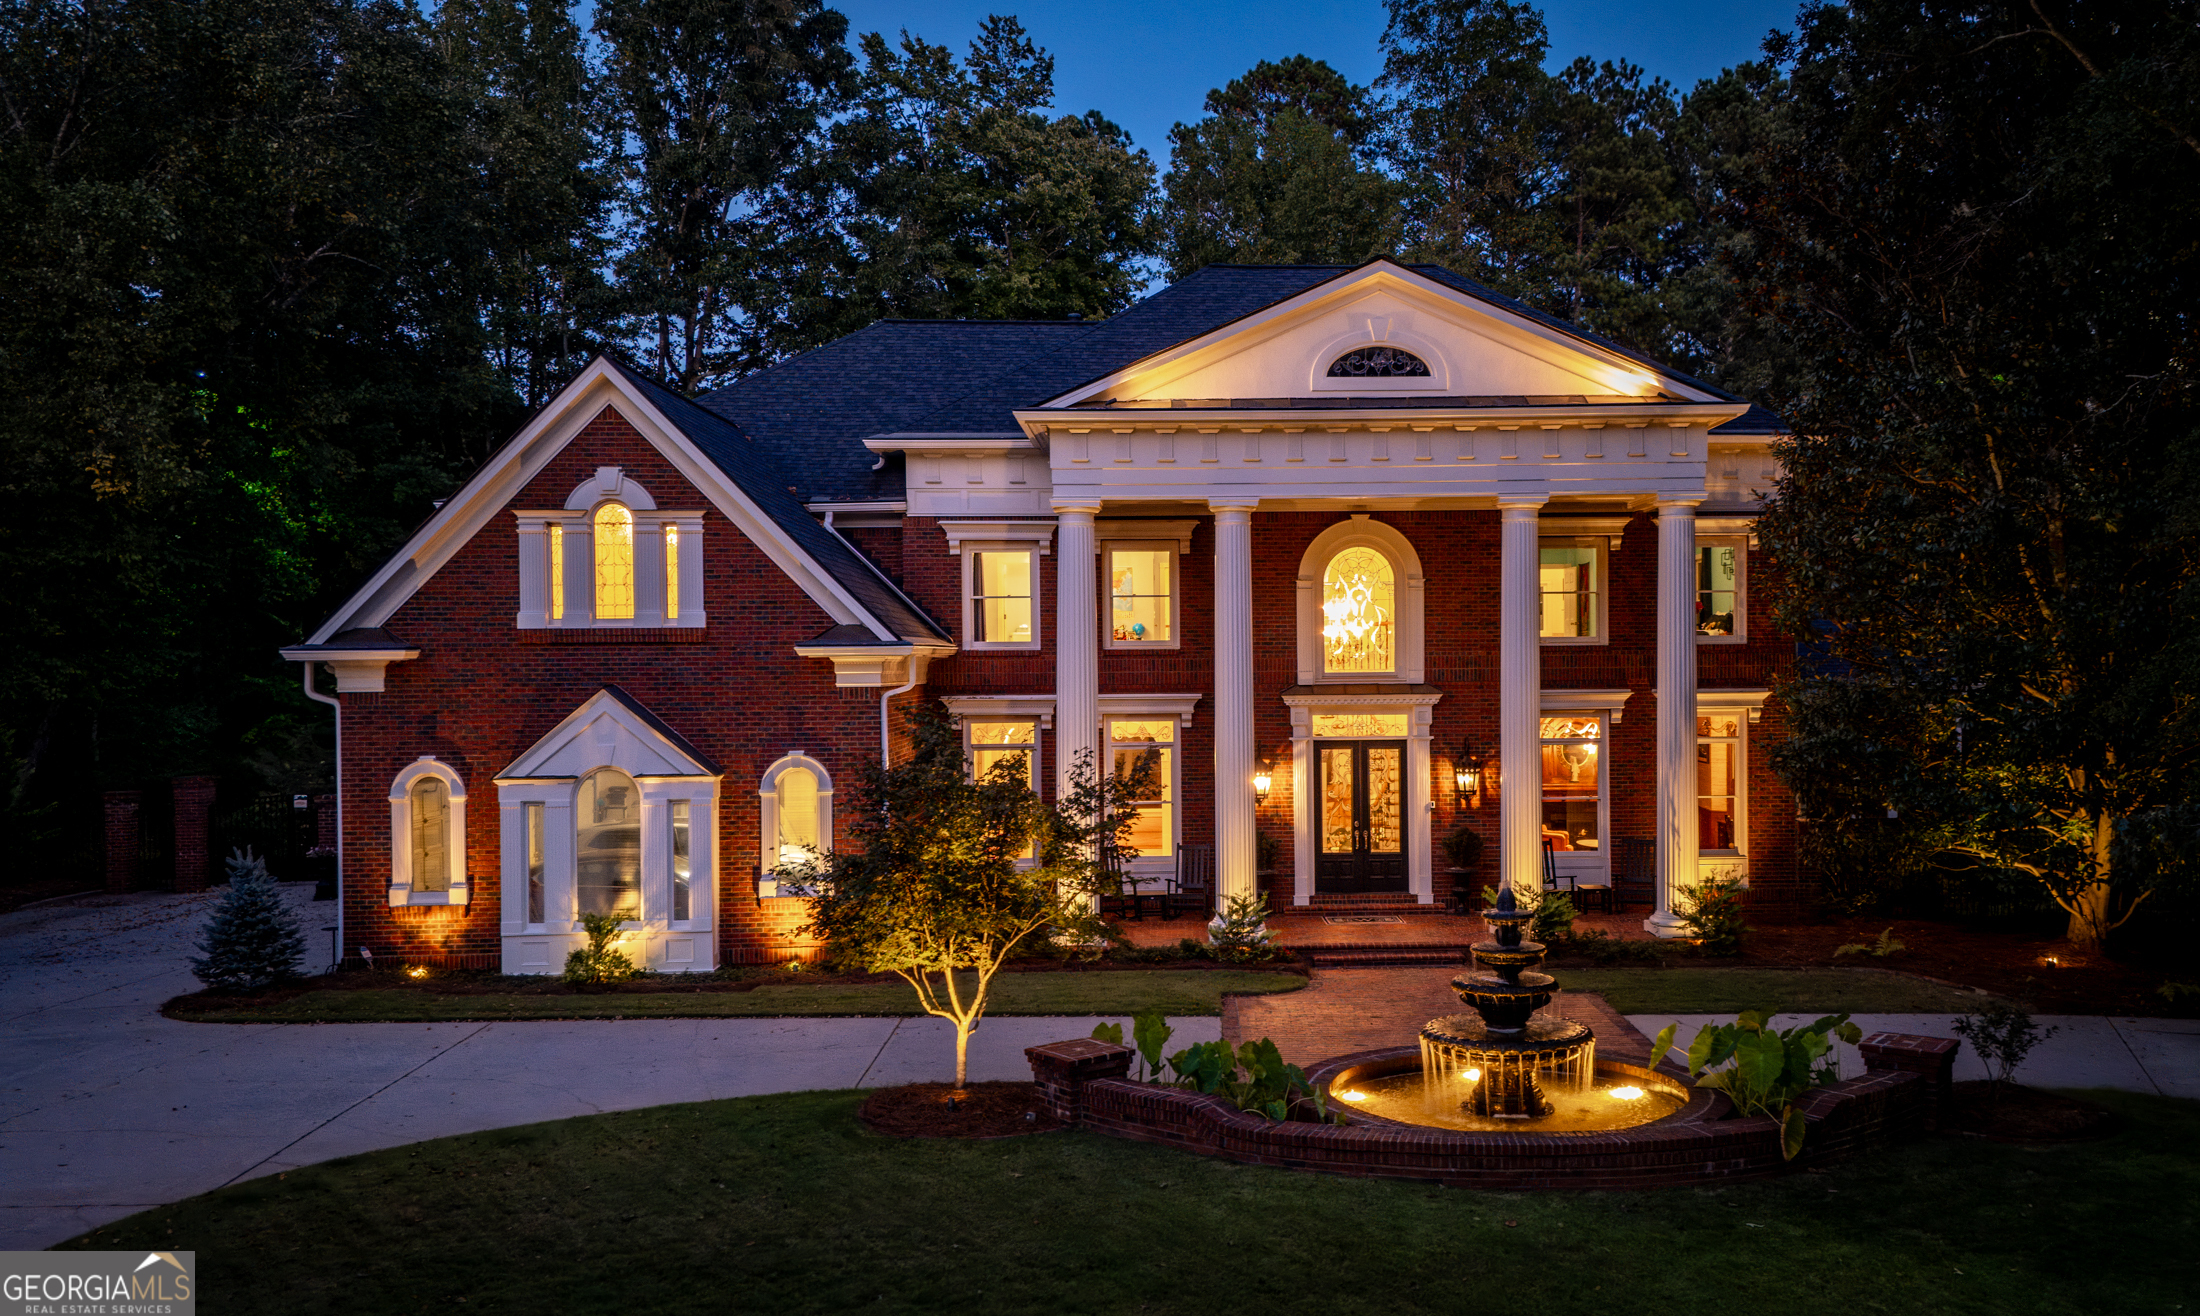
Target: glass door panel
column 1340, row 799
column 1362, row 818
column 1385, row 780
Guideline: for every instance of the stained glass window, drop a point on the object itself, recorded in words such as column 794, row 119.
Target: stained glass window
column 431, row 835
column 1718, row 781
column 1378, row 363
column 557, row 571
column 614, row 562
column 1141, row 584
column 608, row 844
column 1359, row 604
column 1358, row 726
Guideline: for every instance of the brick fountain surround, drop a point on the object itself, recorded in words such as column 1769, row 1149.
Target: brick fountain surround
column 1903, row 1093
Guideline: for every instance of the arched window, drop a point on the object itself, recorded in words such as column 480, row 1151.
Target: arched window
column 607, row 821
column 1378, row 363
column 798, row 833
column 431, row 834
column 796, row 796
column 614, row 526
column 428, row 835
column 1359, row 612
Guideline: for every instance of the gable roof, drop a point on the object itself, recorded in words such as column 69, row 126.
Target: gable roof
column 741, row 481
column 653, row 748
column 969, row 377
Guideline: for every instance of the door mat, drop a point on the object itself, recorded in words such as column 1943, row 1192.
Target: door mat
column 1361, row 918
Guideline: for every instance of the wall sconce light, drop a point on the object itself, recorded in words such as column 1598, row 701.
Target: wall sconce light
column 1466, row 775
column 1263, row 780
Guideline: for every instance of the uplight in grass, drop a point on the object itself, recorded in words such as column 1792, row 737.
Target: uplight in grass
column 416, row 971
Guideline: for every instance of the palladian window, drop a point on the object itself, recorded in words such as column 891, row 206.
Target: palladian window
column 431, row 835
column 608, row 844
column 614, row 527
column 1359, row 610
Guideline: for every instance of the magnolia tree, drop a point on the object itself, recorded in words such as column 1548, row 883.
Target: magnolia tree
column 947, row 874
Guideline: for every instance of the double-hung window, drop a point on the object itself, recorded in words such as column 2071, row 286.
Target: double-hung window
column 1141, row 595
column 1134, row 743
column 1003, row 604
column 1719, row 824
column 1570, row 576
column 1720, row 594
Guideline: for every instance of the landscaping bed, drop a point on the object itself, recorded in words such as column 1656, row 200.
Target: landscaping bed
column 2025, row 1115
column 978, row 1110
column 1194, row 988
column 1729, row 989
column 786, row 1204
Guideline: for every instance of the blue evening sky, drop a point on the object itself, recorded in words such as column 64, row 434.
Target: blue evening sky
column 1148, row 63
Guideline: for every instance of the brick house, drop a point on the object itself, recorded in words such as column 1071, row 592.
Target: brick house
column 1360, row 555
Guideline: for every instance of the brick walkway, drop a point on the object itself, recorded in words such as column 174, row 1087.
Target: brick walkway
column 1346, row 1010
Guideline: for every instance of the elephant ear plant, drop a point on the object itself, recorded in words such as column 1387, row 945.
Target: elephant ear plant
column 1765, row 1072
column 1252, row 1077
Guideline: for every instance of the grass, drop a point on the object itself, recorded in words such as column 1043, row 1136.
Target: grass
column 1806, row 991
column 1122, row 992
column 786, row 1204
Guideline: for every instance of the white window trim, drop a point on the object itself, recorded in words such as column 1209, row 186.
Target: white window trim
column 401, row 891
column 1173, row 537
column 576, row 523
column 1603, row 546
column 1749, row 704
column 1740, row 545
column 1419, row 706
column 1131, row 708
column 1033, row 537
column 1405, row 564
column 1578, row 864
column 767, row 792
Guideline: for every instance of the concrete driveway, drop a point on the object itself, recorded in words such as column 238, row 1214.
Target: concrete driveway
column 106, row 1108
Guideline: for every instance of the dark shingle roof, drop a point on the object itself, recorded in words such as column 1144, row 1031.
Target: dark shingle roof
column 760, row 477
column 663, row 728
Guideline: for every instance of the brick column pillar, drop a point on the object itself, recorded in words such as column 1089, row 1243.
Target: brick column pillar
column 194, row 831
column 1932, row 1058
column 121, row 811
column 1061, row 1069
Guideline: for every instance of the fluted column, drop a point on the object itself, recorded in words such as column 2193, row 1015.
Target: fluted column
column 1520, row 696
column 1076, row 648
column 1677, row 841
column 1236, row 853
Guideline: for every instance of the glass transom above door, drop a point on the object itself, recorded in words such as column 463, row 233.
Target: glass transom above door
column 1357, row 726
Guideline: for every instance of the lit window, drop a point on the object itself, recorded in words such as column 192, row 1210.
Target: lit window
column 1132, row 744
column 1000, row 611
column 1141, row 595
column 1359, row 608
column 1718, row 782
column 682, row 867
column 993, row 744
column 1573, row 783
column 431, row 835
column 608, row 844
column 614, row 562
column 799, row 837
column 557, row 571
column 672, row 572
column 536, row 860
column 1571, row 581
column 1718, row 590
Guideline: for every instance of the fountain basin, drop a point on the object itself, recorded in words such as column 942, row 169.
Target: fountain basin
column 1409, row 1090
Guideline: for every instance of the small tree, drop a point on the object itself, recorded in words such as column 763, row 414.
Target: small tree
column 948, row 876
column 251, row 942
column 2003, row 1035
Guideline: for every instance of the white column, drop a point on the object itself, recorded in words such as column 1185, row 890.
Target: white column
column 1520, row 696
column 1076, row 650
column 1236, row 854
column 1676, row 710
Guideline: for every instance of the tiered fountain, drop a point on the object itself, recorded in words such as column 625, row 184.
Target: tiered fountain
column 1504, row 1067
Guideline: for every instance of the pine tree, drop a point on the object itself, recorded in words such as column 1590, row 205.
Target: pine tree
column 252, row 941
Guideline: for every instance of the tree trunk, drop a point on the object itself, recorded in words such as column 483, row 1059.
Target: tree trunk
column 962, row 1052
column 2089, row 916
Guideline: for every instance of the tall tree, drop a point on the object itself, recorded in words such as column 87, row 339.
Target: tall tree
column 1467, row 90
column 962, row 197
column 719, row 106
column 1279, row 172
column 1976, row 232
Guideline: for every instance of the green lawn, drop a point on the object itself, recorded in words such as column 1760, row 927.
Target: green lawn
column 784, row 1204
column 1806, row 991
column 1121, row 992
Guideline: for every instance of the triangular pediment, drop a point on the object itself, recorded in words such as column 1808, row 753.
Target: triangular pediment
column 1473, row 346
column 610, row 730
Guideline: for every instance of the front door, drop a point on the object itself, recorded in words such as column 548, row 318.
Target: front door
column 1362, row 823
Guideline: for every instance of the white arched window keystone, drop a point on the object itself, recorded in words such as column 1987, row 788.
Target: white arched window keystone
column 795, row 817
column 428, row 835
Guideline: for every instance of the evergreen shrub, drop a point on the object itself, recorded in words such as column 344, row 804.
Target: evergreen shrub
column 251, row 942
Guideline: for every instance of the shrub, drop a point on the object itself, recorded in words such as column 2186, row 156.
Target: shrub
column 1553, row 910
column 1602, row 947
column 251, row 942
column 1712, row 913
column 1240, row 935
column 597, row 962
column 1887, row 944
column 1765, row 1072
column 2003, row 1036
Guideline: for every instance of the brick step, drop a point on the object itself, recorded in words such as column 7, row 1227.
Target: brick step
column 1370, row 957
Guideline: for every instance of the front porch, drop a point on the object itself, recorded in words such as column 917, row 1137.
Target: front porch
column 1371, row 932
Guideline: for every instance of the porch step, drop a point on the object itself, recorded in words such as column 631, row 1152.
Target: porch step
column 1375, row 955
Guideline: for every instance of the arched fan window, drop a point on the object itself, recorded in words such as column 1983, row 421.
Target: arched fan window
column 1359, row 604
column 1378, row 363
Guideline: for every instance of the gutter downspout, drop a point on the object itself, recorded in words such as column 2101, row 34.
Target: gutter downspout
column 885, row 736
column 333, row 702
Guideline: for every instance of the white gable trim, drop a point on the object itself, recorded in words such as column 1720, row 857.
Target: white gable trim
column 603, row 732
column 1521, row 332
column 475, row 506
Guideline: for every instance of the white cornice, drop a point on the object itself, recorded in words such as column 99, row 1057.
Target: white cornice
column 1749, row 699
column 1038, row 706
column 1178, row 706
column 1613, row 702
